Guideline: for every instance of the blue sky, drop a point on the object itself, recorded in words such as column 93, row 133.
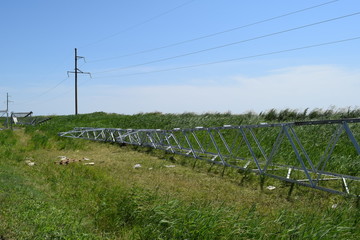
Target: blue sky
column 159, row 55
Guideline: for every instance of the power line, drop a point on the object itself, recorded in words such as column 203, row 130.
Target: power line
column 34, row 99
column 222, row 61
column 217, row 33
column 52, row 88
column 127, row 29
column 76, row 72
column 231, row 44
column 55, row 86
column 143, row 22
column 190, row 40
column 31, row 98
column 53, row 97
column 241, row 58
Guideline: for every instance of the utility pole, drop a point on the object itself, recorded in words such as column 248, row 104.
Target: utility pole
column 7, row 109
column 76, row 71
column 2, row 112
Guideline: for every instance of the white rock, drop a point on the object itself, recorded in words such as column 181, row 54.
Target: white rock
column 31, row 163
column 137, row 166
column 170, row 166
column 270, row 188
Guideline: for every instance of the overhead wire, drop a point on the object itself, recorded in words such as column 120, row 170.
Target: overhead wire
column 216, row 33
column 238, row 59
column 68, row 91
column 125, row 30
column 206, row 36
column 51, row 88
column 141, row 23
column 221, row 46
column 33, row 99
column 220, row 62
column 228, row 44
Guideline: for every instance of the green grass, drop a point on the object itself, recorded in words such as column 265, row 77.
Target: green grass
column 112, row 200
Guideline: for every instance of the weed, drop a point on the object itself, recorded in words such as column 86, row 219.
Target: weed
column 112, row 200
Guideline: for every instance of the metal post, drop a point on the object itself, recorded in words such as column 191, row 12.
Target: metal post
column 76, row 71
column 7, row 110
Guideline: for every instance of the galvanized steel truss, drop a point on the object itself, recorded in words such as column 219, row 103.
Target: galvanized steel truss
column 26, row 118
column 286, row 151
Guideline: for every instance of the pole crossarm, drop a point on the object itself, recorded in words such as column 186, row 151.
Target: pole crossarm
column 79, row 71
column 308, row 153
column 76, row 72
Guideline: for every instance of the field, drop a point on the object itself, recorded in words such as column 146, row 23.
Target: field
column 166, row 198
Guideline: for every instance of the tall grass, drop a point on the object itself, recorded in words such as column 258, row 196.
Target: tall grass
column 112, row 200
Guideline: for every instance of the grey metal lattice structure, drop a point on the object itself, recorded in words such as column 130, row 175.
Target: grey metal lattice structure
column 22, row 118
column 286, row 151
column 26, row 118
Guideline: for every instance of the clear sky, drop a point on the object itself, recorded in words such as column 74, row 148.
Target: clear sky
column 180, row 56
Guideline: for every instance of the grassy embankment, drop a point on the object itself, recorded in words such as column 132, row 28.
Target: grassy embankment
column 112, row 200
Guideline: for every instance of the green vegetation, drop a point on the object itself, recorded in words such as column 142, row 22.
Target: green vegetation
column 113, row 200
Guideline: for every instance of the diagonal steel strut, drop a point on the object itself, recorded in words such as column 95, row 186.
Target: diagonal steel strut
column 287, row 151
